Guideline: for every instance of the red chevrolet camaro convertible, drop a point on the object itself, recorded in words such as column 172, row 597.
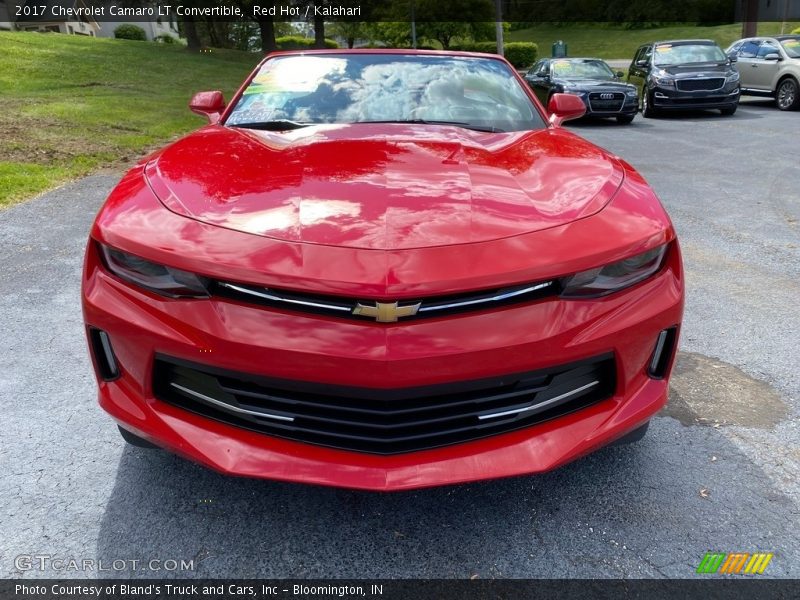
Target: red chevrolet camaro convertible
column 382, row 270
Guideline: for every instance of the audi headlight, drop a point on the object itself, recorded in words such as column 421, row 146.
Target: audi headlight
column 632, row 93
column 732, row 78
column 161, row 279
column 614, row 277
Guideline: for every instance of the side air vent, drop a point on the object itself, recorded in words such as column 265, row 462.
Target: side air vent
column 105, row 363
column 662, row 353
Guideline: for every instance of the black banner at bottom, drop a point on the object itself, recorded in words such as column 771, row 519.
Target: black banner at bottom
column 396, row 589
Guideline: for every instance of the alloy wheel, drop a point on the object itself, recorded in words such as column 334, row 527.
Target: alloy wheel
column 787, row 94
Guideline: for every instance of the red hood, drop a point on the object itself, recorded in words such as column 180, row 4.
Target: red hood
column 384, row 187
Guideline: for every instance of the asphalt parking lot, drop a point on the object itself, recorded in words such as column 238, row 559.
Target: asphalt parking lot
column 716, row 472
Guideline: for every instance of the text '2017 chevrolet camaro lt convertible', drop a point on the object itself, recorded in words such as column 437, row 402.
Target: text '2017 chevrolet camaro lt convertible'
column 382, row 270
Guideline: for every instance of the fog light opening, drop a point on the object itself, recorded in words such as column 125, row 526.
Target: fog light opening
column 104, row 360
column 662, row 353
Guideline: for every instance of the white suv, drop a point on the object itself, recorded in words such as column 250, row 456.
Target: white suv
column 770, row 66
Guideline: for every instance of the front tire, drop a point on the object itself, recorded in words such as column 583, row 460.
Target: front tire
column 729, row 111
column 625, row 119
column 787, row 95
column 135, row 440
column 648, row 112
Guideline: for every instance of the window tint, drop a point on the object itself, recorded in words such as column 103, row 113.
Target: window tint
column 749, row 49
column 768, row 48
column 642, row 54
column 544, row 69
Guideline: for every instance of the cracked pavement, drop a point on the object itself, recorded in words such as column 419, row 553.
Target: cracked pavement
column 716, row 472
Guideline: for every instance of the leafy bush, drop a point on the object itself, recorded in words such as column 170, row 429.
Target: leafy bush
column 130, row 32
column 165, row 38
column 296, row 42
column 519, row 54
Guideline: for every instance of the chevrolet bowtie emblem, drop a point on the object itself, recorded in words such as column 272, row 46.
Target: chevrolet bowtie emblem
column 386, row 312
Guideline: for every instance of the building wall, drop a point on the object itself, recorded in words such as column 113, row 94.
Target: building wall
column 5, row 17
column 67, row 27
column 776, row 10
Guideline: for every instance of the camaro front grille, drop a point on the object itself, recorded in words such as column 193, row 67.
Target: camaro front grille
column 606, row 101
column 381, row 421
column 434, row 306
column 693, row 85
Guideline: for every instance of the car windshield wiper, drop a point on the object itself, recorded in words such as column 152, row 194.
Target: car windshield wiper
column 277, row 125
column 486, row 128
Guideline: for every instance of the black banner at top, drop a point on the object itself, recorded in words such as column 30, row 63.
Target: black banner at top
column 643, row 12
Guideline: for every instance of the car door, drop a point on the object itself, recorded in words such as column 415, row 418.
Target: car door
column 747, row 65
column 539, row 80
column 640, row 66
column 766, row 71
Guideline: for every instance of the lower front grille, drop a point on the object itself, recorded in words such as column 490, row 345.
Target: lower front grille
column 693, row 85
column 381, row 421
column 606, row 101
column 693, row 101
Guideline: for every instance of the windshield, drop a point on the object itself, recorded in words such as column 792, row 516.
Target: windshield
column 792, row 47
column 667, row 54
column 582, row 69
column 480, row 93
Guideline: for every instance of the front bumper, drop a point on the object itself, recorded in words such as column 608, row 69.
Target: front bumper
column 665, row 98
column 241, row 337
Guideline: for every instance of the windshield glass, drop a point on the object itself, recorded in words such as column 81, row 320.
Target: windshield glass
column 667, row 54
column 582, row 69
column 352, row 88
column 792, row 47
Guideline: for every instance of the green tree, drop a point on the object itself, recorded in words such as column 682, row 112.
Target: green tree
column 350, row 31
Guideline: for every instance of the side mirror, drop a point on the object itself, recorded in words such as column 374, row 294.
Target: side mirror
column 772, row 56
column 209, row 104
column 565, row 107
column 732, row 57
column 641, row 63
column 620, row 74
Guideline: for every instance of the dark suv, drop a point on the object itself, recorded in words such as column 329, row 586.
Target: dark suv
column 684, row 75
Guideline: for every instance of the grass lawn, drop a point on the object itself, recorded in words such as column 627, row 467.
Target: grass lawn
column 73, row 104
column 615, row 42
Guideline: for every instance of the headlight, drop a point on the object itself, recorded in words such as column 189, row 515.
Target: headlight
column 663, row 80
column 632, row 93
column 732, row 78
column 614, row 277
column 154, row 277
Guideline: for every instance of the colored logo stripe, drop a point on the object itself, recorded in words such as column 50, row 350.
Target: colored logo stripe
column 758, row 562
column 719, row 562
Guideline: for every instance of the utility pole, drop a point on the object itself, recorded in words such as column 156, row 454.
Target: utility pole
column 413, row 26
column 750, row 18
column 498, row 26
